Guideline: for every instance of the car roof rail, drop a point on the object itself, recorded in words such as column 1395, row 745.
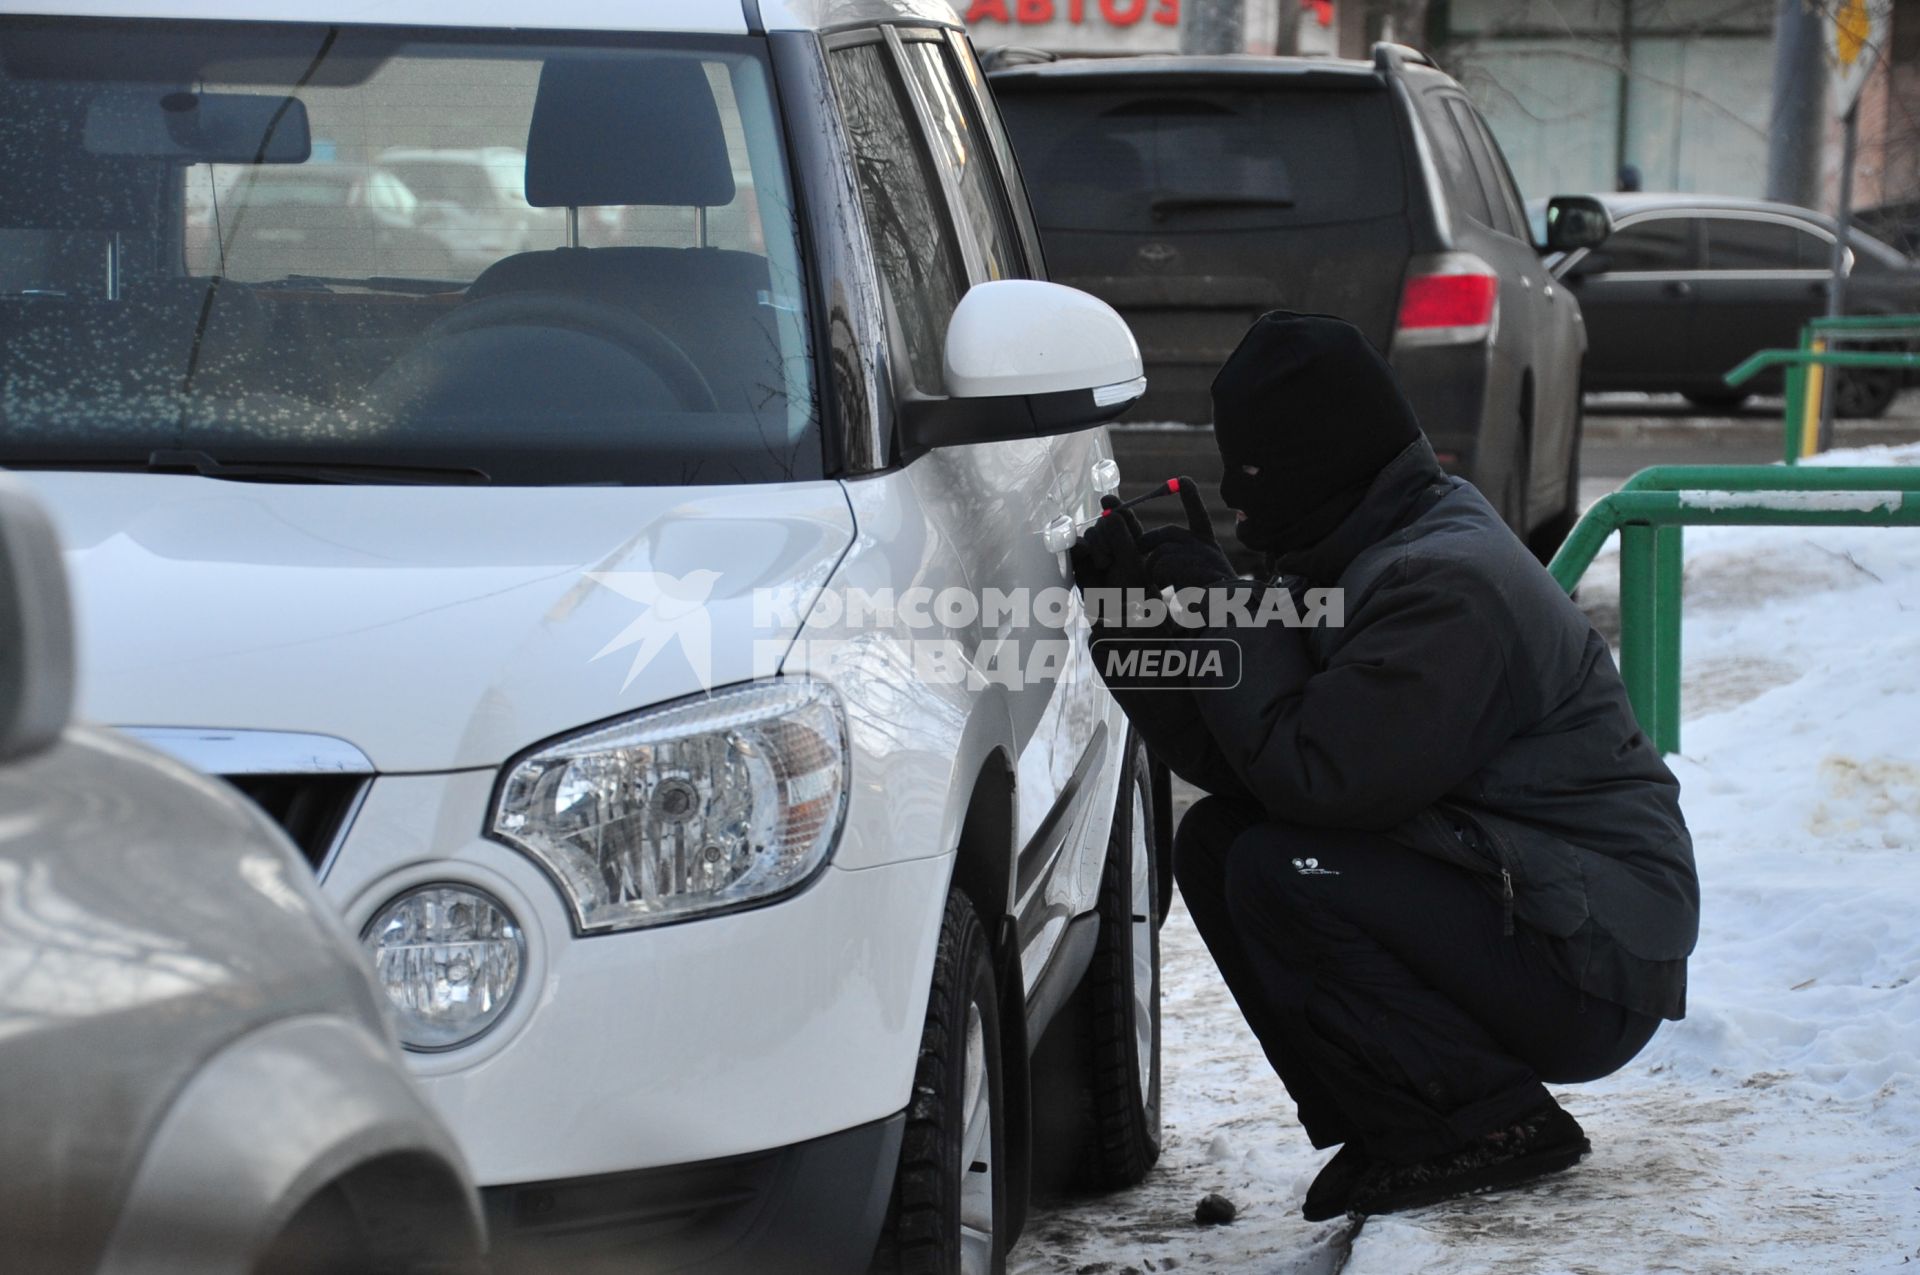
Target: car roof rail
column 1006, row 55
column 1391, row 57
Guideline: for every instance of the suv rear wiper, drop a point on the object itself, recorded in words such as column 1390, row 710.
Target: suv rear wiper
column 1186, row 203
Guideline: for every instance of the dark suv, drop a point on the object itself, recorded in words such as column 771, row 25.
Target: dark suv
column 1194, row 193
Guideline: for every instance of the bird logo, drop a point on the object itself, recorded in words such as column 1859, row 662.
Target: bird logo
column 673, row 609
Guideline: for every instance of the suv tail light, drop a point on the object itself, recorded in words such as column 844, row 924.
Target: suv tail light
column 1450, row 298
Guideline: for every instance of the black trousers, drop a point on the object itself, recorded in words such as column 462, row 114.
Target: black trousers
column 1380, row 983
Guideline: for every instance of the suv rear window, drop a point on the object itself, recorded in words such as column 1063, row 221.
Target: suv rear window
column 1151, row 159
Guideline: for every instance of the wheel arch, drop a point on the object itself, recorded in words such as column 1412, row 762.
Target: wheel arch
column 211, row 1194
column 983, row 871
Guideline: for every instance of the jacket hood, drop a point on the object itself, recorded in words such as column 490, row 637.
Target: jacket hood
column 434, row 628
column 1314, row 411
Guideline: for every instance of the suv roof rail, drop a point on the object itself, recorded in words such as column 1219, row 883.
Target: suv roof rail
column 1006, row 55
column 1390, row 57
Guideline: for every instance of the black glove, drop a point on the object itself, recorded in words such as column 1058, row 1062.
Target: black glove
column 1189, row 556
column 1107, row 555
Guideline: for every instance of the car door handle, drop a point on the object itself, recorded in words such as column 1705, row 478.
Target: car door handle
column 1058, row 535
column 1678, row 288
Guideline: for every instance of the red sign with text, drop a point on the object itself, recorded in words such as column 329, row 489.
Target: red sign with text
column 1113, row 13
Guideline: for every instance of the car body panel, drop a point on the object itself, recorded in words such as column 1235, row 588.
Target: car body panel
column 212, row 1192
column 680, row 1043
column 1682, row 328
column 151, row 918
column 1507, row 402
column 433, row 628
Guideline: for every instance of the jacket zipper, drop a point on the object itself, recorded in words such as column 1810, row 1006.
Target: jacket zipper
column 1506, row 903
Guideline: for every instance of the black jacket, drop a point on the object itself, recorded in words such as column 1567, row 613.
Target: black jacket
column 1468, row 709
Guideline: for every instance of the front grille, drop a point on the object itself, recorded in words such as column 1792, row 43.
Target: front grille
column 311, row 809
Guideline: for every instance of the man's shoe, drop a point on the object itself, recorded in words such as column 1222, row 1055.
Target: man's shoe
column 1544, row 1141
column 1333, row 1187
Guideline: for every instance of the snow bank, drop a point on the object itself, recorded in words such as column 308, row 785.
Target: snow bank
column 1776, row 1128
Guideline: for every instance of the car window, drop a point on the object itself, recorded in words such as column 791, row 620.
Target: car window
column 1164, row 160
column 1509, row 213
column 958, row 149
column 1456, row 168
column 274, row 288
column 913, row 243
column 1660, row 243
column 1002, row 143
column 1743, row 243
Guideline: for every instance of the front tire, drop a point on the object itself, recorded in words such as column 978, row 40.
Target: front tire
column 949, row 1203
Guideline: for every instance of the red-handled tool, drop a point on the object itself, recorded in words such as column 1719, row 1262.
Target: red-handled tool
column 1171, row 487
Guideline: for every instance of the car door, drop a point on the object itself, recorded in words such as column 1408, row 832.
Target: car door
column 1637, row 294
column 1060, row 854
column 936, row 229
column 1765, row 275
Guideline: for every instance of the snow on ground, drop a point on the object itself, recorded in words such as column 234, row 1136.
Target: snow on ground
column 1776, row 1128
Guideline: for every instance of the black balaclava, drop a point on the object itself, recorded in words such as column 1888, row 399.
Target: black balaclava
column 1315, row 408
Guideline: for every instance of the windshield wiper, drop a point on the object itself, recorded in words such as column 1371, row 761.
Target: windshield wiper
column 298, row 471
column 374, row 283
column 1187, row 203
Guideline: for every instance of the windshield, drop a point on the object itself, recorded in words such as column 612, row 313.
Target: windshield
column 426, row 250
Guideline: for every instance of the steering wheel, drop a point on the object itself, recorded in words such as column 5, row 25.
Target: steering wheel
column 592, row 318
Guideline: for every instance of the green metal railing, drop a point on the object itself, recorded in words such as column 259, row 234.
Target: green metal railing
column 1806, row 368
column 1649, row 513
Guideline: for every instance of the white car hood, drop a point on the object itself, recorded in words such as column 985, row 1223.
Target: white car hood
column 434, row 628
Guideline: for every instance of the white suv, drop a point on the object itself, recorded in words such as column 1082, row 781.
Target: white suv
column 662, row 649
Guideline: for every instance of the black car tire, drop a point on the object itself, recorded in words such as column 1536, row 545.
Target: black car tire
column 1716, row 400
column 1097, row 1075
column 946, row 1216
column 1861, row 393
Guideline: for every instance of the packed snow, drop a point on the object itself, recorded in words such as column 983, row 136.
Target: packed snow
column 1776, row 1128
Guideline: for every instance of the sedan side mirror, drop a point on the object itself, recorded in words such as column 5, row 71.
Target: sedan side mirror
column 1026, row 359
column 36, row 627
column 1575, row 222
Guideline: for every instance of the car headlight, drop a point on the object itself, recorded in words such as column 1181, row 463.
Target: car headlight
column 449, row 959
column 705, row 805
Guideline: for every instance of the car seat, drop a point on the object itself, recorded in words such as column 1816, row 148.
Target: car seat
column 610, row 133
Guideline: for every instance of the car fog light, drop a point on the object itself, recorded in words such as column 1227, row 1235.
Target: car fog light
column 449, row 959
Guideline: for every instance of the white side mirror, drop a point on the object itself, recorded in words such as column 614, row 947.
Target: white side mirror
column 1025, row 359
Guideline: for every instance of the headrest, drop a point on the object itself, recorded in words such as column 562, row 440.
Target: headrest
column 626, row 130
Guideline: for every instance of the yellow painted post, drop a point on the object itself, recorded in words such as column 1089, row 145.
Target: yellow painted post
column 1810, row 401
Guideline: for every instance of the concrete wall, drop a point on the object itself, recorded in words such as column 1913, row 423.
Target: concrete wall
column 1574, row 88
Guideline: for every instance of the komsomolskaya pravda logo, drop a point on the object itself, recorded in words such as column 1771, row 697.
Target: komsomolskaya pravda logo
column 1014, row 637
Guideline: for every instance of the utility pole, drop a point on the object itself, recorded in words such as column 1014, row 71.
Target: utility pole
column 1799, row 114
column 1214, row 26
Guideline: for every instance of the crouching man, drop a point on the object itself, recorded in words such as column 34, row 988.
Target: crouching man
column 1439, row 865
